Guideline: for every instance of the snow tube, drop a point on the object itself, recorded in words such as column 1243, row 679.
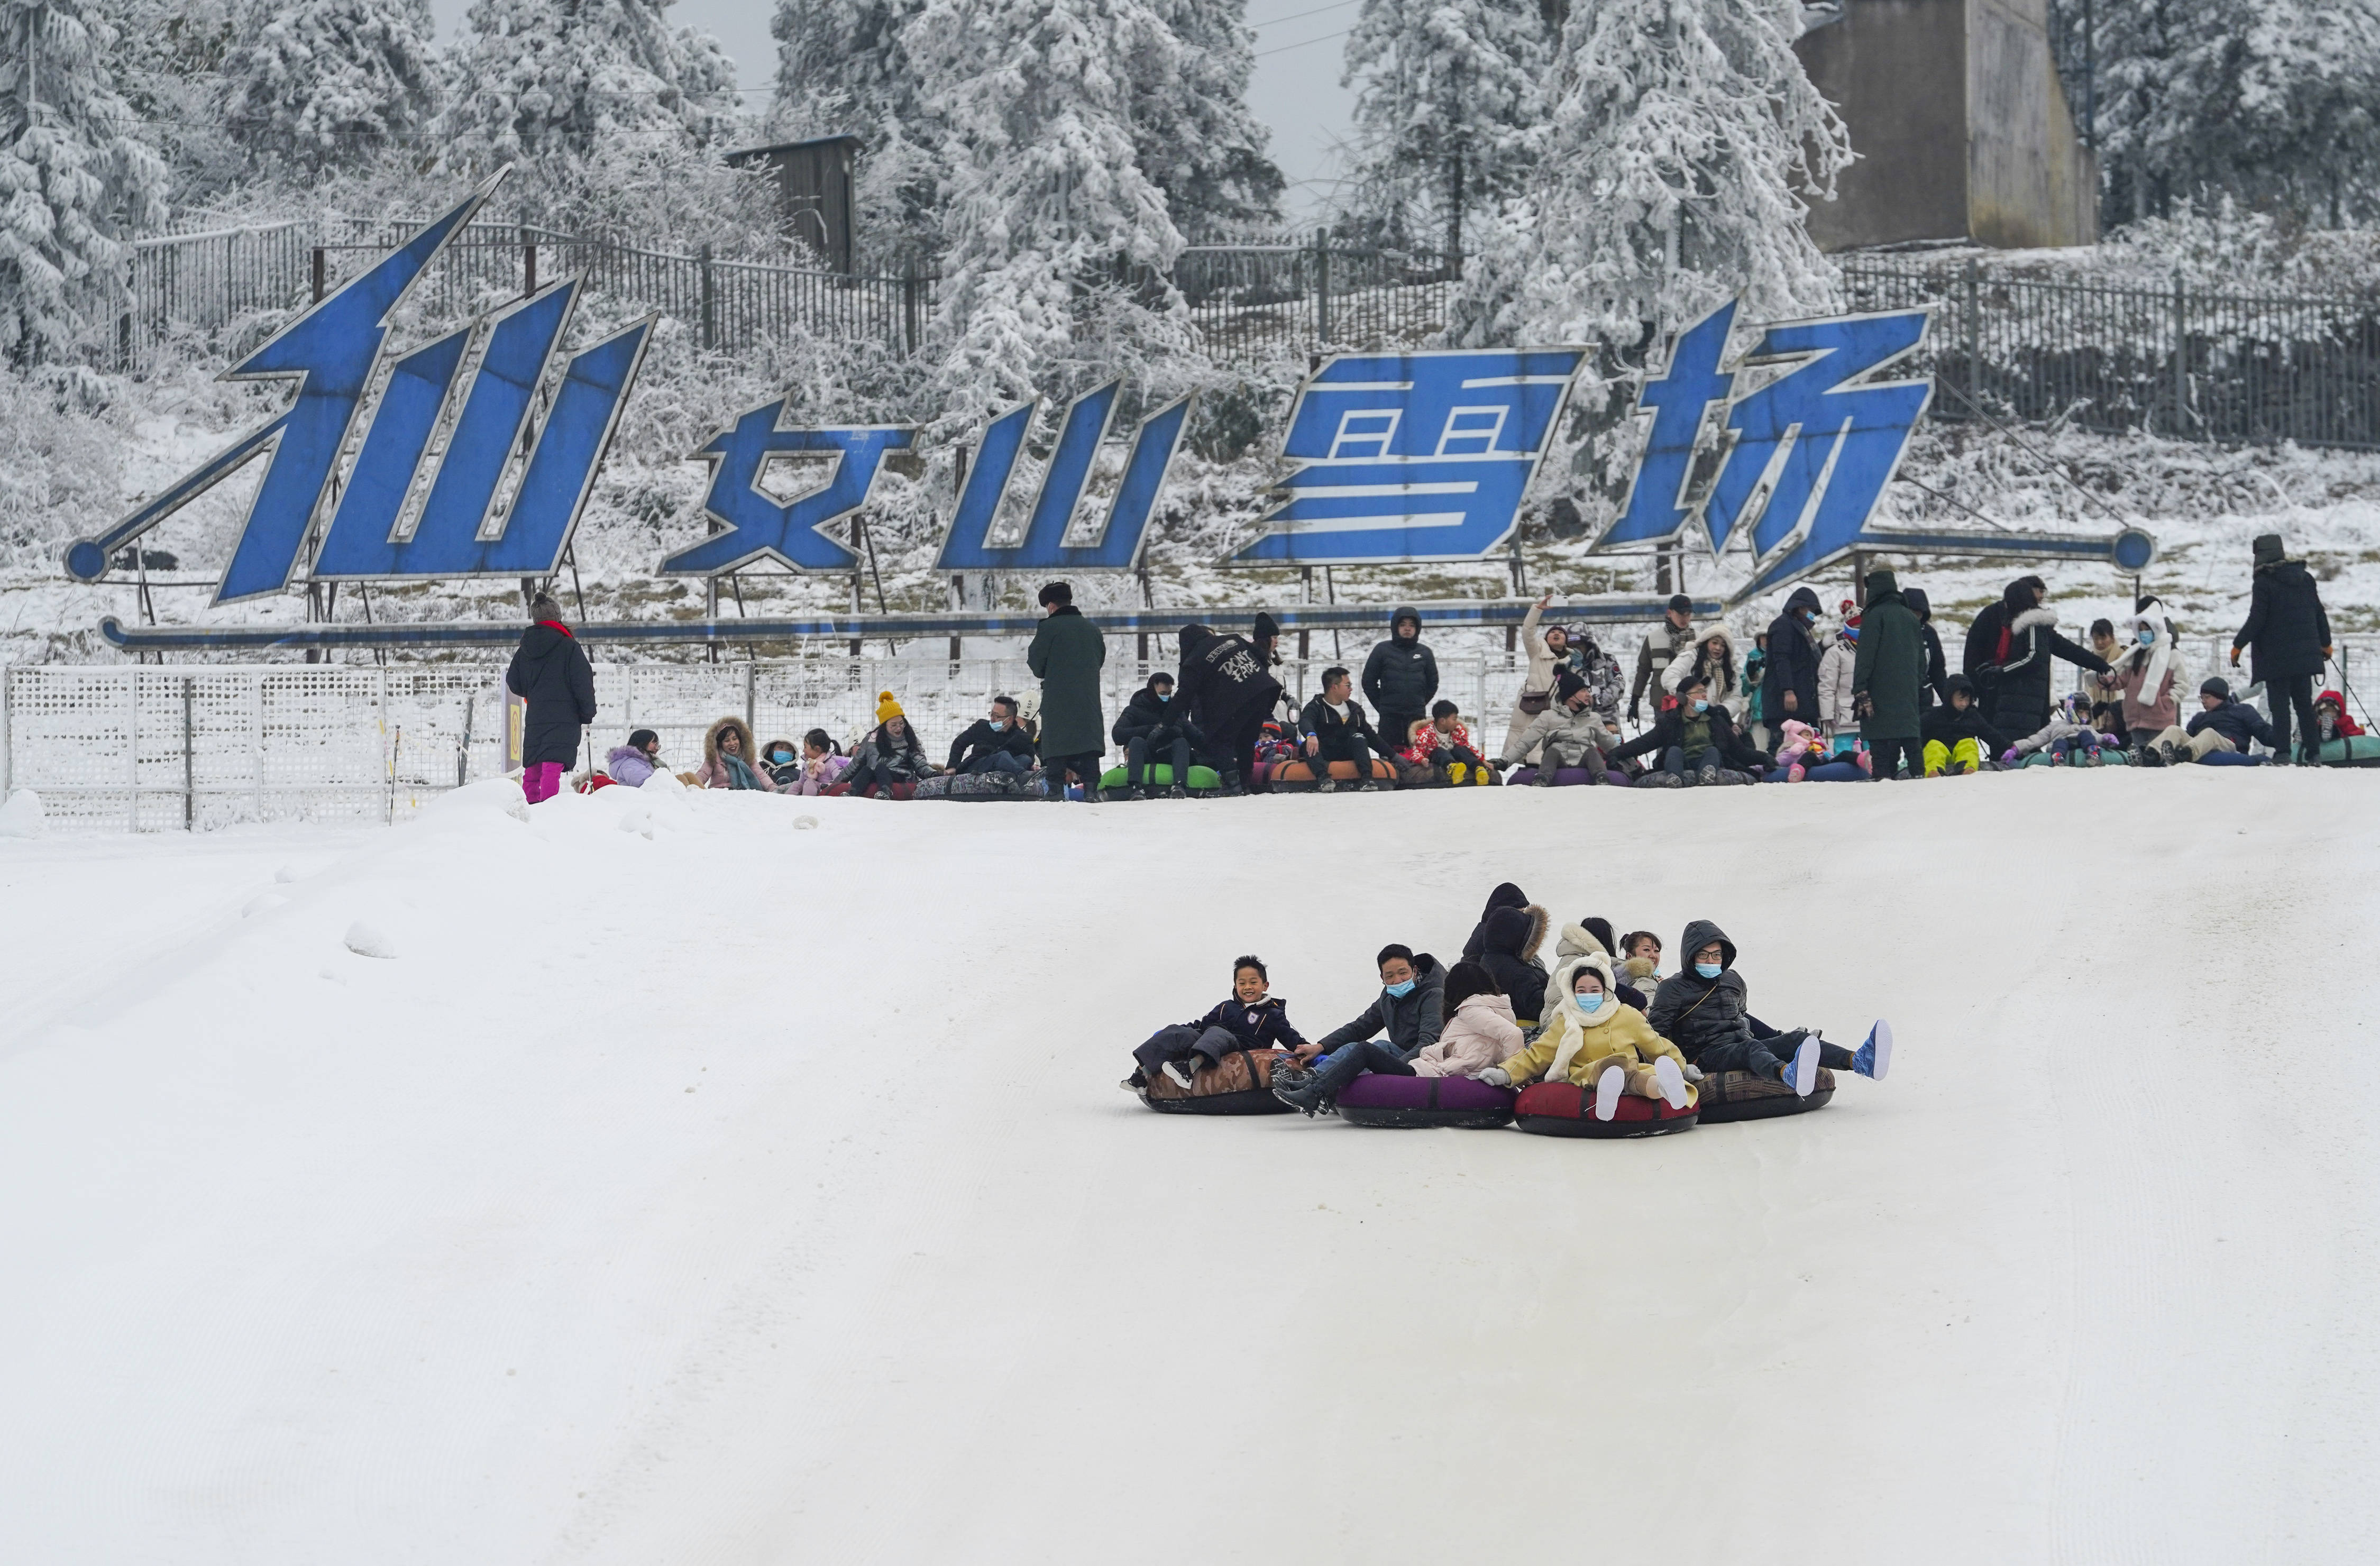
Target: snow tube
column 1380, row 1098
column 1564, row 1109
column 2107, row 757
column 978, row 785
column 2352, row 750
column 1241, row 1083
column 1564, row 777
column 1297, row 777
column 843, row 790
column 1738, row 1095
column 2227, row 759
column 1203, row 780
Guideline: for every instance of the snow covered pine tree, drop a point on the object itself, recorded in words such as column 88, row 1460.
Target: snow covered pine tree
column 323, row 82
column 540, row 78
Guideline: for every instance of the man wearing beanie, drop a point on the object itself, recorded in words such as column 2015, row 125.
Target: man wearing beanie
column 2220, row 731
column 1671, row 636
column 1067, row 655
column 551, row 675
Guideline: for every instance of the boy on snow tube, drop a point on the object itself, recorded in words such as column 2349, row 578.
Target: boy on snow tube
column 1251, row 1020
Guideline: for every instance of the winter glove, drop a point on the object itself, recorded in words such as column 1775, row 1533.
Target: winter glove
column 1496, row 1077
column 1693, row 1074
column 2008, row 757
column 1635, row 712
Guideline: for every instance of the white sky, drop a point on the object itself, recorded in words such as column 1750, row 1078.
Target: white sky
column 1296, row 90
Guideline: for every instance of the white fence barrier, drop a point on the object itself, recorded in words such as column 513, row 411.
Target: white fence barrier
column 152, row 748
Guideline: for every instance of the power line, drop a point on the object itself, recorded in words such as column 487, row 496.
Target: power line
column 1300, row 16
column 1285, row 48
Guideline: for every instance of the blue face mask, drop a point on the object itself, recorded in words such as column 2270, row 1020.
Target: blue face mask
column 1592, row 1003
column 1702, row 706
column 1398, row 991
column 2148, row 637
column 1708, row 970
column 1164, row 694
column 997, row 724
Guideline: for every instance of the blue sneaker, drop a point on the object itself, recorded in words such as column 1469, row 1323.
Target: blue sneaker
column 1873, row 1059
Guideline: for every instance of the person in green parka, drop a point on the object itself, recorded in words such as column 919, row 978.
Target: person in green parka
column 1067, row 655
column 1887, row 675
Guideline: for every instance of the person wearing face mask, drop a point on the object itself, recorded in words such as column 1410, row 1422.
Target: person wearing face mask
column 1401, row 1021
column 1695, row 742
column 1790, row 686
column 2146, row 676
column 1152, row 729
column 1703, row 1009
column 1569, row 735
column 993, row 743
column 784, row 765
column 1593, row 1041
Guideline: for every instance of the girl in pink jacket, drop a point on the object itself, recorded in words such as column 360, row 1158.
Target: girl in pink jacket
column 1480, row 1030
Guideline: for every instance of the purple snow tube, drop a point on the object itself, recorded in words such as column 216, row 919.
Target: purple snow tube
column 1380, row 1098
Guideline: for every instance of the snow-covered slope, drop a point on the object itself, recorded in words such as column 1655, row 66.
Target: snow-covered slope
column 717, row 1190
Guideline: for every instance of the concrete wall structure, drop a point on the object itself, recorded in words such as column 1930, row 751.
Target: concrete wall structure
column 1960, row 124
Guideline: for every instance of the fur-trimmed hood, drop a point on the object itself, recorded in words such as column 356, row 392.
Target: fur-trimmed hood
column 2032, row 619
column 747, row 753
column 1516, row 932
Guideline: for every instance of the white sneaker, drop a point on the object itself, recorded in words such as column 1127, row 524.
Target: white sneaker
column 1803, row 1074
column 1182, row 1073
column 1608, row 1088
column 1672, row 1081
column 1874, row 1058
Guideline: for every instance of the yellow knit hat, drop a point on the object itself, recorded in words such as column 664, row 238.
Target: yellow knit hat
column 886, row 707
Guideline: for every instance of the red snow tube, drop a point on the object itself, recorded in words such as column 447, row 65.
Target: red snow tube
column 1564, row 1109
column 1383, row 1098
column 1739, row 1095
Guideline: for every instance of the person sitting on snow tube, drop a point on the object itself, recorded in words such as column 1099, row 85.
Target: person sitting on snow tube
column 993, row 743
column 1695, row 740
column 1641, row 967
column 1152, row 729
column 1592, row 1040
column 1589, row 934
column 891, row 754
column 2222, row 729
column 634, row 762
column 1401, row 1021
column 1336, row 730
column 1569, row 733
column 1479, row 1032
column 2330, row 719
column 1506, row 896
column 1509, row 952
column 1250, row 1020
column 1439, row 750
column 1704, row 1009
column 1957, row 736
column 1804, row 756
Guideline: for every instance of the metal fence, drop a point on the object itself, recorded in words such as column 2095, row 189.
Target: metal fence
column 152, row 748
column 2185, row 363
column 1256, row 302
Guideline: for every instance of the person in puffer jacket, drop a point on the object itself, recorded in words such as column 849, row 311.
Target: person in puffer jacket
column 1592, row 1040
column 1438, row 749
column 731, row 760
column 1480, row 1032
column 633, row 763
column 2331, row 721
column 1401, row 676
column 1703, row 1009
column 1508, row 950
column 1401, row 1021
column 822, row 765
column 1589, row 934
column 1835, row 668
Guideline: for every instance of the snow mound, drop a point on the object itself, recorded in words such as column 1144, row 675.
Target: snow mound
column 368, row 940
column 21, row 816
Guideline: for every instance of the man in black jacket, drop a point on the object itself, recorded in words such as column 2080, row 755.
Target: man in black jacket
column 1227, row 691
column 1336, row 730
column 1401, row 677
column 2290, row 631
column 1404, row 1020
column 1790, row 688
column 993, row 744
column 2008, row 655
column 1705, row 1009
column 1694, row 740
column 2223, row 725
column 1149, row 728
column 550, row 674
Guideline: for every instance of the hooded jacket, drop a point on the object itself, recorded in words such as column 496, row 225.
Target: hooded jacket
column 549, row 672
column 715, row 772
column 1578, row 940
column 2341, row 727
column 2149, row 678
column 1697, row 1013
column 1669, row 729
column 1158, row 722
column 1480, row 1034
column 1401, row 676
column 1728, row 687
column 1425, row 739
column 2287, row 626
column 1890, row 668
column 626, row 764
column 2009, row 652
column 1949, row 726
column 1577, row 1045
column 1222, row 685
column 1509, row 952
column 1411, row 1022
column 1506, row 896
column 1936, row 671
column 1792, row 662
column 1835, row 677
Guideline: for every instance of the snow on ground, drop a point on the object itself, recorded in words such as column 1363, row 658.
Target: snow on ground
column 714, row 1190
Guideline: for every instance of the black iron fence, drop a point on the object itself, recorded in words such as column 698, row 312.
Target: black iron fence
column 2183, row 362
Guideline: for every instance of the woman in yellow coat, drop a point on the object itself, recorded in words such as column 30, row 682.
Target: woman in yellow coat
column 1593, row 1039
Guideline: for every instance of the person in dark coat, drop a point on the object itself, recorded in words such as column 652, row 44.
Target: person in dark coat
column 1937, row 672
column 993, row 744
column 1694, row 740
column 1067, row 653
column 1334, row 729
column 1705, row 1009
column 1253, row 1019
column 1152, row 729
column 2008, row 655
column 550, row 674
column 1401, row 676
column 1406, row 1019
column 1959, row 723
column 2289, row 630
column 1506, row 896
column 2219, row 733
column 1508, row 950
column 1790, row 687
column 1886, row 676
column 1227, row 691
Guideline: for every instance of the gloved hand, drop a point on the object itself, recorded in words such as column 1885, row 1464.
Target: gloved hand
column 1496, row 1077
column 2008, row 757
column 1635, row 713
column 1693, row 1074
column 2235, row 657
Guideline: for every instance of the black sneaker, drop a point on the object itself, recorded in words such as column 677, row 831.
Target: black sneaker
column 1136, row 1082
column 1184, row 1072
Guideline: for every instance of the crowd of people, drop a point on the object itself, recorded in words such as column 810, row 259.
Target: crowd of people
column 1866, row 694
column 1606, row 1018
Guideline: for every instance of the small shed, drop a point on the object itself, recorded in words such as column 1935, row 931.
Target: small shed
column 814, row 181
column 1960, row 124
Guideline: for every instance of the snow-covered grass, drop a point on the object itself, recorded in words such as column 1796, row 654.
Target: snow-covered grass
column 691, row 1185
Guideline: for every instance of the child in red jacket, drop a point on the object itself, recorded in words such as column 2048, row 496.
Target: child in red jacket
column 1440, row 746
